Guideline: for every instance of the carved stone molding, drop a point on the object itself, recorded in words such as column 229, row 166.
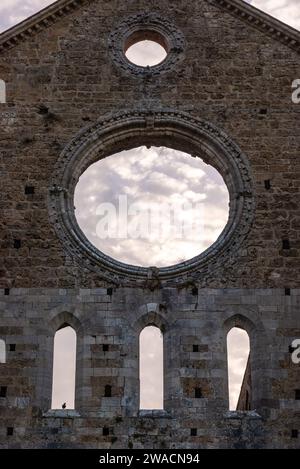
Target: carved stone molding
column 162, row 30
column 260, row 20
column 61, row 8
column 171, row 128
column 38, row 22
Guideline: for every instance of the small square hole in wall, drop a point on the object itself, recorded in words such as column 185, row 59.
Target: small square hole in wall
column 195, row 348
column 294, row 433
column 6, row 291
column 195, row 291
column 105, row 431
column 286, row 244
column 29, row 190
column 12, row 347
column 107, row 390
column 10, row 431
column 287, row 292
column 267, row 184
column 17, row 243
column 297, row 394
column 3, row 391
column 109, row 291
column 105, row 347
column 198, row 393
column 193, row 431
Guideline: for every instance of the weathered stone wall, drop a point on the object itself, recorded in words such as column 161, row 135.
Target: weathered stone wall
column 65, row 78
column 230, row 74
column 245, row 397
column 30, row 318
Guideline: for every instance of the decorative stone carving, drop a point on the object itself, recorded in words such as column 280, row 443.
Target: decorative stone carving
column 170, row 128
column 61, row 8
column 150, row 22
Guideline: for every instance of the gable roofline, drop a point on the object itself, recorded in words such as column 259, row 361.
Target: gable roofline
column 262, row 21
column 249, row 14
column 37, row 22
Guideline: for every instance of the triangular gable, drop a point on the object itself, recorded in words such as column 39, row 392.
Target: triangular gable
column 258, row 19
column 238, row 8
column 37, row 22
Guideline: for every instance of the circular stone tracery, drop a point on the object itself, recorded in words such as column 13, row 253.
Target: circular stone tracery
column 176, row 130
column 146, row 26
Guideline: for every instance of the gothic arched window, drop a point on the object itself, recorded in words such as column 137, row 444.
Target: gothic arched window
column 239, row 373
column 64, row 368
column 151, row 368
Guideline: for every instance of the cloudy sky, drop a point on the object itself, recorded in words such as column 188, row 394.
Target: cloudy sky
column 154, row 182
column 149, row 178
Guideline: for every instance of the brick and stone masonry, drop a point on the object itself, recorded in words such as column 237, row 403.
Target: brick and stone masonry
column 223, row 93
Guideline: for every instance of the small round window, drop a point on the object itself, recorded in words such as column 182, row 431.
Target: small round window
column 146, row 48
column 146, row 44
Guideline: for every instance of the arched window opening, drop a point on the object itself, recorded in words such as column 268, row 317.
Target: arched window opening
column 64, row 368
column 2, row 92
column 2, row 351
column 151, row 369
column 239, row 373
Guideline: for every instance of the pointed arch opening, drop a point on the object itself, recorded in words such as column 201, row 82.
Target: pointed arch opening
column 2, row 351
column 239, row 370
column 2, row 92
column 64, row 368
column 151, row 371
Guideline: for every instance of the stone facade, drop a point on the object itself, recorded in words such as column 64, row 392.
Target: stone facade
column 223, row 93
column 245, row 397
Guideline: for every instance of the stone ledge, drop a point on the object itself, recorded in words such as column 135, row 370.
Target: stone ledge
column 154, row 414
column 61, row 413
column 242, row 414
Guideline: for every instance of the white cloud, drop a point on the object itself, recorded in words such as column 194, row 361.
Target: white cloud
column 167, row 177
